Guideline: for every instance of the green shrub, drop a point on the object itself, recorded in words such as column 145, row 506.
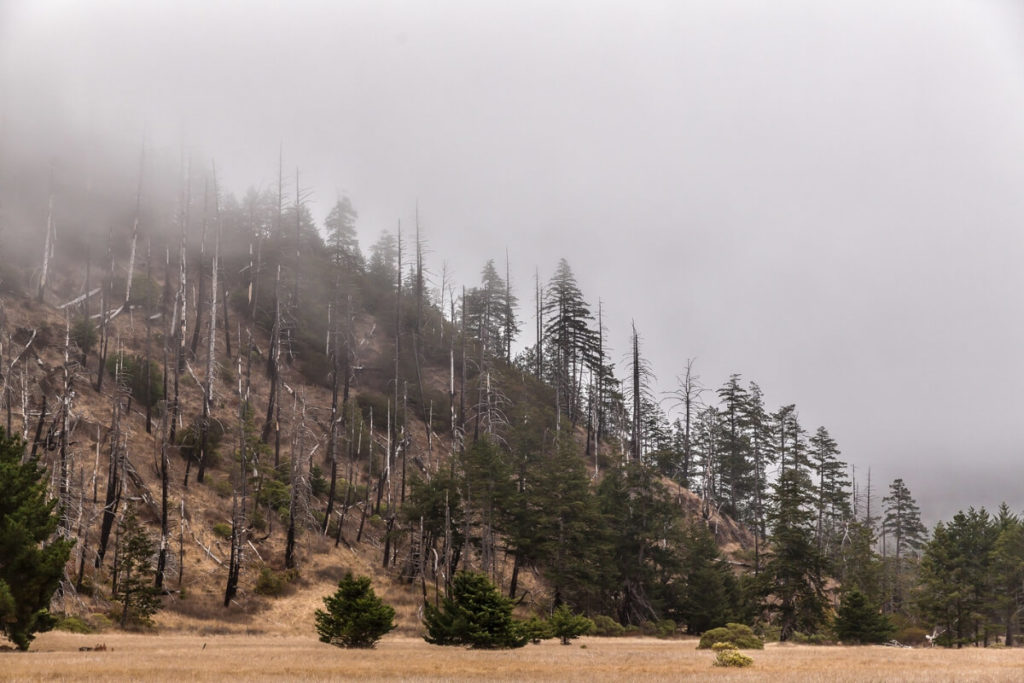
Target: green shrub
column 222, row 487
column 133, row 371
column 83, row 334
column 222, row 529
column 810, row 638
column 607, row 627
column 273, row 584
column 565, row 625
column 355, row 616
column 73, row 624
column 536, row 630
column 741, row 635
column 726, row 654
column 910, row 635
column 318, row 483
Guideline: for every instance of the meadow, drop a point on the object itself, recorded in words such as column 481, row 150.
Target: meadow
column 56, row 656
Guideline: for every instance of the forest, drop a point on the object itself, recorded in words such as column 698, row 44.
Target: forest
column 184, row 349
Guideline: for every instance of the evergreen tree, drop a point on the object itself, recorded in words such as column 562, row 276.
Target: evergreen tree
column 858, row 621
column 642, row 561
column 135, row 591
column 710, row 594
column 565, row 625
column 736, row 468
column 570, row 343
column 355, row 616
column 794, row 576
column 475, row 614
column 31, row 561
column 1007, row 566
column 902, row 522
column 955, row 582
column 342, row 241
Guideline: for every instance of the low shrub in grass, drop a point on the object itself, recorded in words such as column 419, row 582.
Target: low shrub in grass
column 565, row 625
column 740, row 635
column 726, row 654
column 273, row 584
column 607, row 627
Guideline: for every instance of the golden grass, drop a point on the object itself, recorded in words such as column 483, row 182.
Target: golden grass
column 55, row 656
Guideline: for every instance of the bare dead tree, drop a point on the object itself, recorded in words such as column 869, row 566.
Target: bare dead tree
column 211, row 355
column 47, row 241
column 135, row 229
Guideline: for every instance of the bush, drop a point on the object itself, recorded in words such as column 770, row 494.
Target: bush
column 535, row 630
column 355, row 616
column 726, row 654
column 273, row 584
column 607, row 627
column 810, row 638
column 222, row 529
column 475, row 614
column 133, row 369
column 565, row 625
column 83, row 334
column 739, row 635
column 73, row 624
column 911, row 635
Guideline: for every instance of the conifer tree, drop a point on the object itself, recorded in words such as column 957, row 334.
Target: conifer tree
column 31, row 560
column 135, row 590
column 355, row 616
column 902, row 522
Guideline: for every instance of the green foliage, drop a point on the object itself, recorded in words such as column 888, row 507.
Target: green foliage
column 726, row 654
column 607, row 627
column 145, row 292
column 222, row 529
column 566, row 625
column 318, row 484
column 73, row 624
column 134, row 589
column 475, row 614
column 83, row 334
column 860, row 621
column 740, row 635
column 536, row 629
column 794, row 577
column 274, row 584
column 955, row 573
column 811, row 638
column 355, row 616
column 31, row 564
column 709, row 595
column 133, row 372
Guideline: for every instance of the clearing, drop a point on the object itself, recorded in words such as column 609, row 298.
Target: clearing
column 56, row 656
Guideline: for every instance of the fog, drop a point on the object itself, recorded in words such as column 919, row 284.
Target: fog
column 823, row 197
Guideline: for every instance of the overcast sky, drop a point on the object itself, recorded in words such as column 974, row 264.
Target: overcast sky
column 822, row 196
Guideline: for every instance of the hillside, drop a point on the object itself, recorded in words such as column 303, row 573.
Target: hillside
column 390, row 468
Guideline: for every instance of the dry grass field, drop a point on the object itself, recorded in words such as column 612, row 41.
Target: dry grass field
column 56, row 656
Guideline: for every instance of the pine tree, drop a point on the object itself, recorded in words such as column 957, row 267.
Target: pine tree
column 565, row 625
column 858, row 621
column 135, row 590
column 902, row 522
column 355, row 616
column 31, row 561
column 794, row 575
column 342, row 241
column 475, row 614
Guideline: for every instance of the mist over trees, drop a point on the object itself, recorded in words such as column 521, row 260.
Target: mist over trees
column 361, row 401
